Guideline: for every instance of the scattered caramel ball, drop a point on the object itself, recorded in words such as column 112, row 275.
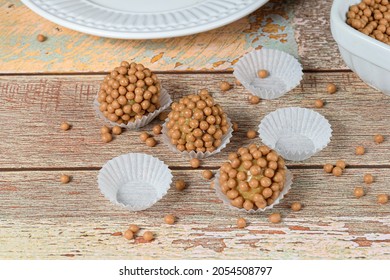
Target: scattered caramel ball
column 254, row 99
column 251, row 134
column 128, row 234
column 368, row 178
column 180, row 185
column 195, row 163
column 275, row 218
column 360, row 150
column 235, row 126
column 207, row 174
column 238, row 83
column 105, row 129
column 143, row 136
column 148, row 236
column 379, row 138
column 150, row 142
column 358, row 192
column 262, row 74
column 157, row 129
column 296, row 206
column 134, row 228
column 64, row 179
column 169, row 219
column 116, row 130
column 319, row 103
column 331, row 88
column 106, row 137
column 65, row 126
column 337, row 171
column 341, row 164
column 383, row 198
column 41, row 38
column 241, row 223
column 163, row 116
column 328, row 168
column 224, row 86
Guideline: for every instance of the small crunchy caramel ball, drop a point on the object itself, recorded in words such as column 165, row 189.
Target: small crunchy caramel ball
column 65, row 126
column 331, row 88
column 195, row 163
column 337, row 171
column 207, row 174
column 358, row 192
column 224, row 86
column 64, row 179
column 134, row 228
column 368, row 178
column 254, row 99
column 143, row 136
column 106, row 137
column 328, row 168
column 296, row 206
column 360, row 150
column 105, row 129
column 262, row 73
column 116, row 130
column 241, row 223
column 180, row 185
column 148, row 236
column 41, row 38
column 251, row 134
column 235, row 126
column 238, row 83
column 275, row 218
column 163, row 116
column 319, row 103
column 379, row 138
column 150, row 142
column 169, row 219
column 128, row 234
column 383, row 198
column 341, row 164
column 157, row 129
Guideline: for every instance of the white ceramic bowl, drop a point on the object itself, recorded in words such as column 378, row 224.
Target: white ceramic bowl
column 366, row 56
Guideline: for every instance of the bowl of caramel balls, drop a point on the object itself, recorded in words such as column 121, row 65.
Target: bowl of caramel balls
column 197, row 127
column 254, row 179
column 361, row 29
column 131, row 96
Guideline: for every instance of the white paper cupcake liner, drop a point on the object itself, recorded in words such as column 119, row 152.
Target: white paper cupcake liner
column 165, row 101
column 285, row 72
column 225, row 140
column 226, row 200
column 135, row 181
column 295, row 133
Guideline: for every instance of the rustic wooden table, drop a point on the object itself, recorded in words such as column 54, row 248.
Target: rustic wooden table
column 43, row 84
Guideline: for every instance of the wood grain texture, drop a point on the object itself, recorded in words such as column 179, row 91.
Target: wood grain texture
column 33, row 107
column 43, row 219
column 296, row 26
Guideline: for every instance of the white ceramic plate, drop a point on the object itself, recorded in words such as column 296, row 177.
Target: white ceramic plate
column 143, row 19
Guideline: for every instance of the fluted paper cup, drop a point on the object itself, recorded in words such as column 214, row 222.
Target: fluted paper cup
column 224, row 141
column 285, row 72
column 295, row 133
column 135, row 181
column 165, row 101
column 226, row 200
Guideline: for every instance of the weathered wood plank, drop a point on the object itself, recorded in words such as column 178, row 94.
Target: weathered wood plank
column 40, row 218
column 284, row 25
column 33, row 107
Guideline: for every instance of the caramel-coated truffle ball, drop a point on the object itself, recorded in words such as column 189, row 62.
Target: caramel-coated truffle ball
column 148, row 236
column 235, row 126
column 359, row 150
column 296, row 206
column 207, row 174
column 195, row 163
column 368, row 178
column 157, row 129
column 328, row 168
column 319, row 103
column 251, row 134
column 106, row 137
column 238, row 83
column 224, row 86
column 169, row 219
column 150, row 142
column 128, row 234
column 275, row 218
column 241, row 223
column 341, row 164
column 337, row 171
column 41, row 38
column 116, row 130
column 65, row 126
column 262, row 73
column 331, row 88
column 64, row 179
column 254, row 99
column 134, row 228
column 379, row 138
column 180, row 185
column 105, row 129
column 382, row 198
column 143, row 136
column 358, row 192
